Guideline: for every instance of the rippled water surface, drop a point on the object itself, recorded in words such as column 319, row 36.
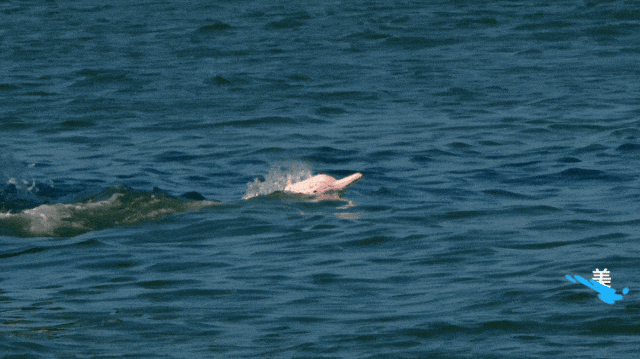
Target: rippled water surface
column 499, row 143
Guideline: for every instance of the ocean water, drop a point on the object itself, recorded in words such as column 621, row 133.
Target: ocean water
column 145, row 147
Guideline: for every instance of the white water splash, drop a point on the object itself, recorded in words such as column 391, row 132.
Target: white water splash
column 13, row 173
column 277, row 179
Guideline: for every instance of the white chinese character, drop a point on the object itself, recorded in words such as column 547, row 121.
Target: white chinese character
column 602, row 276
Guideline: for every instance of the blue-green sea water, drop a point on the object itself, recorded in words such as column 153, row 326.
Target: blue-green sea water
column 499, row 143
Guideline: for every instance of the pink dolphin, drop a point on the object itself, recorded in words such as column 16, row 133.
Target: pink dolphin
column 323, row 186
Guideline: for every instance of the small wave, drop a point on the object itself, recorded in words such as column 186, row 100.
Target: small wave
column 271, row 121
column 214, row 27
column 112, row 207
column 277, row 180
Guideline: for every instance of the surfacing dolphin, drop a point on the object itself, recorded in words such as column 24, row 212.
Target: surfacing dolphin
column 323, row 185
column 124, row 206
